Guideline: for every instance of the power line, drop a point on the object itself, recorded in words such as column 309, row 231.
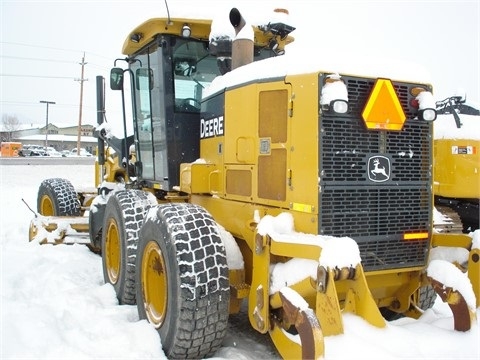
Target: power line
column 38, row 76
column 55, row 48
column 96, row 66
column 92, row 65
column 28, row 103
column 35, row 59
column 38, row 46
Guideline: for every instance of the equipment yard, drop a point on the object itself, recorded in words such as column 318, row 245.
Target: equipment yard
column 290, row 196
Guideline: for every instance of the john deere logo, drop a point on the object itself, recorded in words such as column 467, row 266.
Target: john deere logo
column 379, row 168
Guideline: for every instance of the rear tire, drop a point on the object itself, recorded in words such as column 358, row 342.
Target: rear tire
column 182, row 280
column 57, row 197
column 124, row 214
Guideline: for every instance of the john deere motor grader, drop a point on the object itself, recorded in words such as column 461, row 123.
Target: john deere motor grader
column 228, row 140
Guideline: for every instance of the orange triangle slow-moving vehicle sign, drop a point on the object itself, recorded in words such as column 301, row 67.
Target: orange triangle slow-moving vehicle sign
column 383, row 109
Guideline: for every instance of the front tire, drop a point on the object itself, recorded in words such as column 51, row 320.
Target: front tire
column 124, row 214
column 182, row 280
column 426, row 297
column 57, row 197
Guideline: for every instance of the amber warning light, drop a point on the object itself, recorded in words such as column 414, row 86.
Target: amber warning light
column 415, row 236
column 383, row 109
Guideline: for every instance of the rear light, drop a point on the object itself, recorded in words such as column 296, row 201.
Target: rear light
column 427, row 114
column 339, row 106
column 425, row 103
column 334, row 96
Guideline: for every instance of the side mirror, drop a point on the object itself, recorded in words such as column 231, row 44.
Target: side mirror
column 116, row 79
column 144, row 79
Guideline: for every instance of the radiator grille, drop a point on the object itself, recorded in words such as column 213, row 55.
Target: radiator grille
column 377, row 218
column 376, row 215
column 386, row 253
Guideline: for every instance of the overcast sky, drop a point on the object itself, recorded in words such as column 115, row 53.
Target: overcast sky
column 42, row 43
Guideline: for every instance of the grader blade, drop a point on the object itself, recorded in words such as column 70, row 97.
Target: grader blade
column 59, row 230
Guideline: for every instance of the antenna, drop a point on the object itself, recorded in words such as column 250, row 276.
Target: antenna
column 168, row 13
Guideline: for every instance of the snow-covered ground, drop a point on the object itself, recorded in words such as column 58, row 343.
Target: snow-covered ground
column 55, row 305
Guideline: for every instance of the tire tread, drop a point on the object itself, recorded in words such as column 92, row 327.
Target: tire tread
column 63, row 196
column 204, row 290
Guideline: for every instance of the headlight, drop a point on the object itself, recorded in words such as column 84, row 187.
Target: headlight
column 186, row 31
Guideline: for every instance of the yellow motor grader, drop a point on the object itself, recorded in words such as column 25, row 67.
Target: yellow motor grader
column 457, row 164
column 303, row 192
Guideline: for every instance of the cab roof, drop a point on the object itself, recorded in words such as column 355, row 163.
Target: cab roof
column 200, row 29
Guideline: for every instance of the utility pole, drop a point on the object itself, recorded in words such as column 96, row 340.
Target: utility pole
column 46, row 122
column 81, row 80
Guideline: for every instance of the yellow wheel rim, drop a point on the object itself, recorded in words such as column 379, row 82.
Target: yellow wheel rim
column 112, row 251
column 154, row 284
column 46, row 206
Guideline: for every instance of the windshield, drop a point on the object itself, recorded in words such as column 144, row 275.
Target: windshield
column 193, row 69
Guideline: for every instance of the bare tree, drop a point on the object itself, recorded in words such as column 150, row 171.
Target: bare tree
column 10, row 124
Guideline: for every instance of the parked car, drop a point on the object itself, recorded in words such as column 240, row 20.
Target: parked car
column 33, row 147
column 24, row 152
column 38, row 152
column 83, row 152
column 54, row 153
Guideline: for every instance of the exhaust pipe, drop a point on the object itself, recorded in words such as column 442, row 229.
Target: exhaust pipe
column 100, row 115
column 242, row 45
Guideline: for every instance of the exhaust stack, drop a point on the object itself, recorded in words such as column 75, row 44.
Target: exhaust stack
column 242, row 45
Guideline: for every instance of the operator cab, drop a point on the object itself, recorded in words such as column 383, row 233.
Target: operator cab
column 168, row 75
column 171, row 74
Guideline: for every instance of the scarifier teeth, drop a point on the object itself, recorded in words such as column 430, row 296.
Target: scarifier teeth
column 308, row 328
column 462, row 315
